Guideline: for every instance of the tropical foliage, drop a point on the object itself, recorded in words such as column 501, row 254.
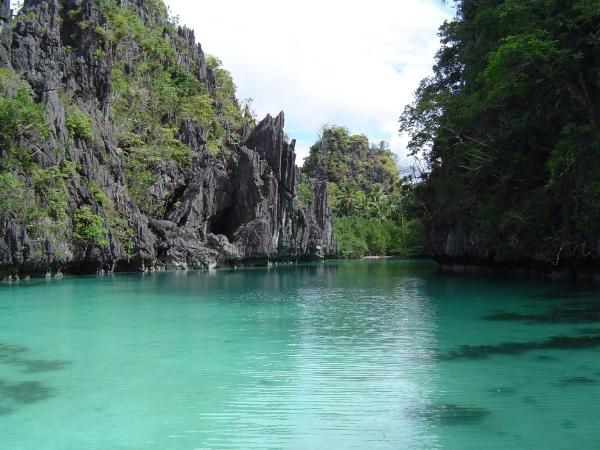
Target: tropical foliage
column 79, row 124
column 370, row 202
column 36, row 196
column 509, row 126
column 88, row 228
column 357, row 237
column 152, row 94
column 341, row 157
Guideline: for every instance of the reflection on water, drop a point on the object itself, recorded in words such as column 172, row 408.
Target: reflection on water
column 378, row 354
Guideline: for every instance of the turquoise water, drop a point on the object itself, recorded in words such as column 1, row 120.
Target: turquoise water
column 345, row 355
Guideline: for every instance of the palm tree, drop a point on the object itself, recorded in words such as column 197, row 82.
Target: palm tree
column 380, row 208
column 348, row 199
column 378, row 203
column 362, row 203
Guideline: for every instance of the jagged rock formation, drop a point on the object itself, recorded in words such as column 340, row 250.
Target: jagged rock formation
column 232, row 206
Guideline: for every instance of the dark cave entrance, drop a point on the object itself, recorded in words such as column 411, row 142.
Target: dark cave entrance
column 225, row 222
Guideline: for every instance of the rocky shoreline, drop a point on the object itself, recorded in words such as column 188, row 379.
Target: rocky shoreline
column 568, row 271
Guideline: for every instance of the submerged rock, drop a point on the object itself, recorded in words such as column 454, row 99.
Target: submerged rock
column 577, row 381
column 587, row 313
column 39, row 366
column 476, row 352
column 452, row 414
column 10, row 352
column 530, row 400
column 588, row 331
column 13, row 355
column 26, row 392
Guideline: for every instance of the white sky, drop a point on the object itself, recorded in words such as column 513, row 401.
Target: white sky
column 350, row 63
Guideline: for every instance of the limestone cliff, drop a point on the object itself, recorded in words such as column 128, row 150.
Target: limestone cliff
column 145, row 160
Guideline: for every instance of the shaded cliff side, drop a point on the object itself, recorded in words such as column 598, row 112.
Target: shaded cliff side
column 127, row 150
column 508, row 126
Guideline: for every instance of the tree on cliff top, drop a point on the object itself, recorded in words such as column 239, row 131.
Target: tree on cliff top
column 340, row 157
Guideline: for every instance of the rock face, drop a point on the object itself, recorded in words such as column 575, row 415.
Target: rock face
column 5, row 17
column 457, row 248
column 217, row 210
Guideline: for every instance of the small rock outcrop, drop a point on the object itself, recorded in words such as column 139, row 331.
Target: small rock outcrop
column 233, row 205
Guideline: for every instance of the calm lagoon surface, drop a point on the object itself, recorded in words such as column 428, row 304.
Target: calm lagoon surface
column 338, row 355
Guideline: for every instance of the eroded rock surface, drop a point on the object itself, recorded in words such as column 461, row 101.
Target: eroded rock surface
column 218, row 210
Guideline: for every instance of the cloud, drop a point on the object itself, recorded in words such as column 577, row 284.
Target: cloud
column 351, row 63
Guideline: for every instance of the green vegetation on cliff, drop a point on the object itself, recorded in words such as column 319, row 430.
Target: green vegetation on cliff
column 371, row 204
column 33, row 195
column 88, row 228
column 343, row 158
column 123, row 147
column 359, row 236
column 153, row 86
column 509, row 125
column 153, row 94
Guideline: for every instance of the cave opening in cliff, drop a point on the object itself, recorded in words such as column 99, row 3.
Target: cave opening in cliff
column 225, row 222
